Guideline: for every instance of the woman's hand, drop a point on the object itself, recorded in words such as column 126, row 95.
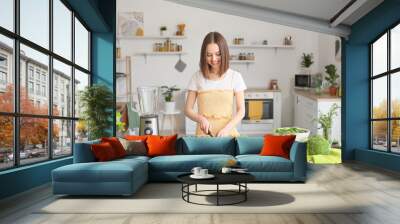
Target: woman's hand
column 204, row 124
column 223, row 132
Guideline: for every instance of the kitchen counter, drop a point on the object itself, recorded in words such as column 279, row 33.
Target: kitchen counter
column 312, row 95
column 261, row 90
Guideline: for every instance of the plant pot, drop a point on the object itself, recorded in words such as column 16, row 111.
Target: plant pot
column 169, row 107
column 333, row 91
column 163, row 32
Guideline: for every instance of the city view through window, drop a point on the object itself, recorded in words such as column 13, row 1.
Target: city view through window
column 39, row 113
column 385, row 82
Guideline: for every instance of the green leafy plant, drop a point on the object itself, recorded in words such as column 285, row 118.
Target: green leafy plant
column 289, row 130
column 163, row 28
column 167, row 92
column 120, row 124
column 318, row 145
column 307, row 60
column 332, row 76
column 325, row 120
column 96, row 102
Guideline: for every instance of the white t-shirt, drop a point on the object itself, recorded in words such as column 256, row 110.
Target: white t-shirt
column 230, row 80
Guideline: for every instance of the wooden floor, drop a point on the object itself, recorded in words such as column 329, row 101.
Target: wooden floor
column 377, row 188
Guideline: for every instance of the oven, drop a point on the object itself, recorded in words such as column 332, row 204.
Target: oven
column 259, row 107
column 263, row 112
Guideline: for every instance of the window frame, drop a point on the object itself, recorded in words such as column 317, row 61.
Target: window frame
column 16, row 114
column 388, row 74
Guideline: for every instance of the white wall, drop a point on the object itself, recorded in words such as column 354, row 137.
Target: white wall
column 327, row 53
column 280, row 65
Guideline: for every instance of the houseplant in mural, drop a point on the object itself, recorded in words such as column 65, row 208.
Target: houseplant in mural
column 331, row 78
column 168, row 93
column 163, row 30
column 325, row 121
column 306, row 62
column 96, row 102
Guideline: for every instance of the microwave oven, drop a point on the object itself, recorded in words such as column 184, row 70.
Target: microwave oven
column 302, row 81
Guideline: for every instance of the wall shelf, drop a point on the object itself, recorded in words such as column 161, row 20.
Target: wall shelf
column 150, row 37
column 242, row 61
column 150, row 53
column 261, row 46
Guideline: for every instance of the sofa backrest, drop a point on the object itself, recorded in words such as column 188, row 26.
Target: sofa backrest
column 206, row 145
column 83, row 152
column 249, row 145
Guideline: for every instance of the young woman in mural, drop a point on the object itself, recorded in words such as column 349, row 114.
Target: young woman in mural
column 217, row 89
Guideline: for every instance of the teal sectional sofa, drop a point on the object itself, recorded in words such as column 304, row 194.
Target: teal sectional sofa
column 125, row 176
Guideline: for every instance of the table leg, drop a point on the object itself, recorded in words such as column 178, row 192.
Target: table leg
column 217, row 194
column 245, row 193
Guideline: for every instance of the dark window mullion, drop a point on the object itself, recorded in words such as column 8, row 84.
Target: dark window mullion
column 16, row 83
column 389, row 101
column 50, row 87
column 73, row 81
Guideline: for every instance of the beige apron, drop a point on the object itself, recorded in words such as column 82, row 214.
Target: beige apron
column 217, row 107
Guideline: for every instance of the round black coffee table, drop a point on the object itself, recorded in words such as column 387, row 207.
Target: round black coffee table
column 238, row 179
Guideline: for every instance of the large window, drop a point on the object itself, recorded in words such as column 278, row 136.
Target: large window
column 40, row 80
column 385, row 91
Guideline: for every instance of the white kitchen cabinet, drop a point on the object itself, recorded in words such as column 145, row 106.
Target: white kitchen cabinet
column 308, row 107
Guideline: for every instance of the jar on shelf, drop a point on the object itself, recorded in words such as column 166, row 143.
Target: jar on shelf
column 173, row 47
column 178, row 47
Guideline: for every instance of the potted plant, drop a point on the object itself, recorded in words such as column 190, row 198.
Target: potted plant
column 306, row 62
column 96, row 102
column 331, row 79
column 167, row 92
column 325, row 120
column 163, row 30
column 301, row 133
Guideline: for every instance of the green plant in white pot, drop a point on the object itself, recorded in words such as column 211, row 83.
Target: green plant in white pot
column 301, row 133
column 325, row 121
column 168, row 93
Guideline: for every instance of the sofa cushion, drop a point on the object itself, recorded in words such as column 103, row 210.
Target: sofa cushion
column 83, row 152
column 249, row 145
column 185, row 163
column 161, row 145
column 277, row 145
column 116, row 145
column 103, row 152
column 112, row 171
column 134, row 147
column 257, row 163
column 206, row 145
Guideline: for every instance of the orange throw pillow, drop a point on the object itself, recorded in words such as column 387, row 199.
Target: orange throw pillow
column 116, row 145
column 136, row 137
column 277, row 145
column 103, row 152
column 161, row 145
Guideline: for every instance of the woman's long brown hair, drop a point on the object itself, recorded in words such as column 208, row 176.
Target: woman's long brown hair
column 214, row 38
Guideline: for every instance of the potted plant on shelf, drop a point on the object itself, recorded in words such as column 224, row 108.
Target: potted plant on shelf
column 96, row 102
column 167, row 92
column 325, row 120
column 306, row 62
column 163, row 30
column 331, row 79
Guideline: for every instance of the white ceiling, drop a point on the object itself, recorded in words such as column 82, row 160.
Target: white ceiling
column 319, row 9
column 314, row 15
